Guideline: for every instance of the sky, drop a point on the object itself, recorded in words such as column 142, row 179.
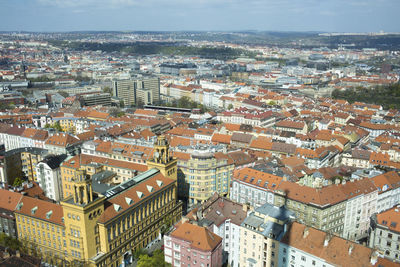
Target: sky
column 200, row 15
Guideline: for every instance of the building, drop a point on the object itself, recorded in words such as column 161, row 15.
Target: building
column 30, row 157
column 41, row 227
column 388, row 185
column 306, row 246
column 192, row 245
column 12, row 258
column 139, row 89
column 260, row 234
column 9, row 201
column 362, row 199
column 223, row 217
column 203, row 174
column 254, row 187
column 385, row 233
column 323, row 208
column 49, row 176
column 62, row 143
column 10, row 165
column 123, row 218
column 126, row 91
column 102, row 99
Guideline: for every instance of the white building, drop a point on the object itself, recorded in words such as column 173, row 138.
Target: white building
column 223, row 217
column 385, row 233
column 49, row 176
column 388, row 185
column 304, row 246
column 254, row 187
column 360, row 205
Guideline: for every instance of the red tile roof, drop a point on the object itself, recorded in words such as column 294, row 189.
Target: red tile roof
column 199, row 237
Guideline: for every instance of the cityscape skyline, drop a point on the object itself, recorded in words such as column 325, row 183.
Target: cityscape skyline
column 223, row 15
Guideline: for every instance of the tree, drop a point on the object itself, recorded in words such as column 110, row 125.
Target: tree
column 122, row 103
column 57, row 126
column 107, row 90
column 156, row 260
column 17, row 182
column 230, row 106
column 10, row 242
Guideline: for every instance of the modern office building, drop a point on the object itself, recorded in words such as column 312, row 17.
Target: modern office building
column 103, row 99
column 139, row 89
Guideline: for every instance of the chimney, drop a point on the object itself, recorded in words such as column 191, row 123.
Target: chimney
column 245, row 207
column 305, row 232
column 374, row 258
column 351, row 249
column 327, row 239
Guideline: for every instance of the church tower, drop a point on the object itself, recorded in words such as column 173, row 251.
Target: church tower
column 162, row 159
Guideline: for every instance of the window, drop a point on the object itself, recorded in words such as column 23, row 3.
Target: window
column 303, row 258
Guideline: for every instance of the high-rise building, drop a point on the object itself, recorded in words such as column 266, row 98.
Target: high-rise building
column 137, row 90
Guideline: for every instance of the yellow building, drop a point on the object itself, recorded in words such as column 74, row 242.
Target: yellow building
column 30, row 157
column 203, row 174
column 126, row 217
column 98, row 224
column 261, row 232
column 40, row 227
column 67, row 124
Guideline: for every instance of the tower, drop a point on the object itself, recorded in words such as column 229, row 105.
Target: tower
column 81, row 211
column 83, row 192
column 162, row 159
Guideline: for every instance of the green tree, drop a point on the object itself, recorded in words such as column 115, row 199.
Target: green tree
column 107, row 90
column 157, row 259
column 10, row 242
column 184, row 102
column 17, row 182
column 57, row 126
column 230, row 106
column 122, row 103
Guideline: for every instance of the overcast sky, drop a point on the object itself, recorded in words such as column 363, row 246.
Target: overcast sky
column 217, row 15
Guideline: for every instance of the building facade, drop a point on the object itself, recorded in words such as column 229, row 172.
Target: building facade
column 49, row 176
column 192, row 245
column 260, row 234
column 203, row 174
column 385, row 233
